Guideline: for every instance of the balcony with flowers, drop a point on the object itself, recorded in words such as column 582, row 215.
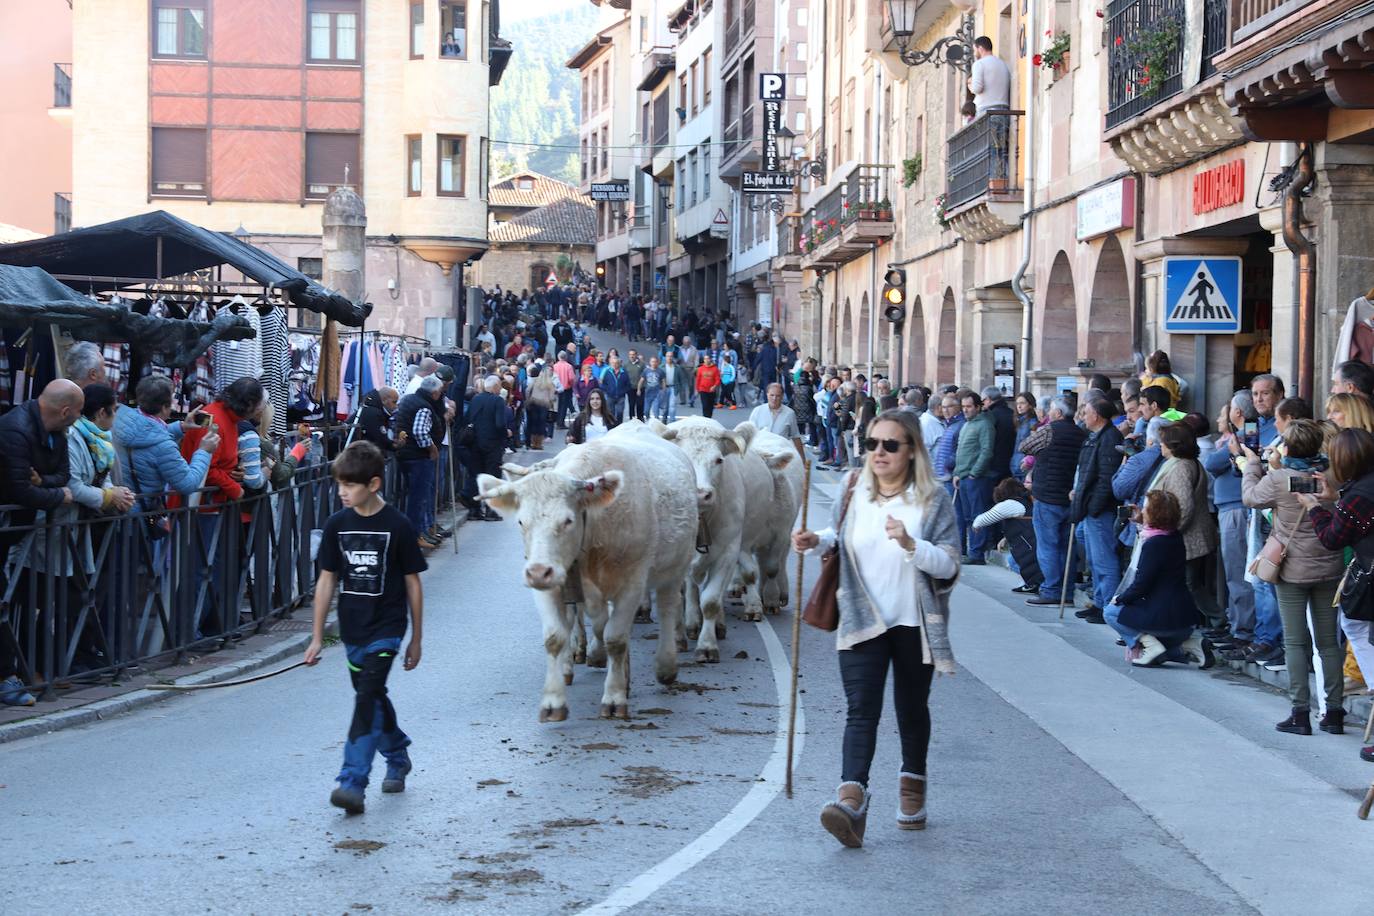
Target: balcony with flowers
column 1164, row 99
column 848, row 221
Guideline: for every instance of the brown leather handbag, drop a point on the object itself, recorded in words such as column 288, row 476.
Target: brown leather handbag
column 822, row 609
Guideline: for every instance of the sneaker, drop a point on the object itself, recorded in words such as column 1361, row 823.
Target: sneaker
column 349, row 798
column 1258, row 652
column 1236, row 651
column 1276, row 662
column 1367, row 753
column 395, row 780
column 1090, row 614
column 14, row 692
column 1267, row 655
column 1026, row 590
column 490, row 516
column 1042, row 601
column 974, row 561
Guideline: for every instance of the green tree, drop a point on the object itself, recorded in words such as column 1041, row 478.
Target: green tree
column 536, row 105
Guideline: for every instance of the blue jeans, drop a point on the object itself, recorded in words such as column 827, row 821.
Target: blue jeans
column 419, row 492
column 1100, row 546
column 374, row 725
column 975, row 497
column 1172, row 639
column 651, row 402
column 1051, row 524
column 960, row 523
column 1268, row 623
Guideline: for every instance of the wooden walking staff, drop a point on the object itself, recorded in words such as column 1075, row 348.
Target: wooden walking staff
column 796, row 618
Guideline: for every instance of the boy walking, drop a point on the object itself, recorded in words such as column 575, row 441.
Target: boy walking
column 370, row 552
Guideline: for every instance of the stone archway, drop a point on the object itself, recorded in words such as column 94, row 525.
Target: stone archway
column 830, row 351
column 845, row 351
column 1059, row 318
column 946, row 354
column 862, row 352
column 916, row 337
column 1109, row 309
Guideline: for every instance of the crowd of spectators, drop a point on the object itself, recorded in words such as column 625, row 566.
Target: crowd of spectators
column 73, row 455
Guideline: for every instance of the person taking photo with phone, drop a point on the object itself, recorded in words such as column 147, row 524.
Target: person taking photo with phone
column 1308, row 573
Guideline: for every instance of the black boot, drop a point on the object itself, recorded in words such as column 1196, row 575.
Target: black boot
column 1334, row 721
column 1299, row 723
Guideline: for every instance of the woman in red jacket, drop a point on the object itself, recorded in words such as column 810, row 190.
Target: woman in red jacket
column 241, row 400
column 708, row 384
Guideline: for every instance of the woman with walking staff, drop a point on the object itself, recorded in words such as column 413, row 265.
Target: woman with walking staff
column 898, row 555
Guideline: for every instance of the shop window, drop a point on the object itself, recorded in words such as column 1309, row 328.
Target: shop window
column 484, row 165
column 453, row 26
column 178, row 28
column 417, row 29
column 706, row 78
column 333, row 34
column 452, row 166
column 331, row 162
column 178, row 162
column 414, row 161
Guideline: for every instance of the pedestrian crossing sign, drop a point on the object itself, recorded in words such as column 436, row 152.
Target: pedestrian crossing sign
column 1202, row 295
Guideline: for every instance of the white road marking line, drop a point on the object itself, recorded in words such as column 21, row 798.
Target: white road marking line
column 750, row 807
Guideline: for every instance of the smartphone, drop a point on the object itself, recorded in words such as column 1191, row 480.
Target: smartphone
column 203, row 419
column 1251, row 434
column 1304, row 485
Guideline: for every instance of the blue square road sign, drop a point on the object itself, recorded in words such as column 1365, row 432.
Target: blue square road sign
column 1201, row 295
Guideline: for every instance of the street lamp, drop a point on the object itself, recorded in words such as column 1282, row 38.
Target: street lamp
column 956, row 49
column 789, row 151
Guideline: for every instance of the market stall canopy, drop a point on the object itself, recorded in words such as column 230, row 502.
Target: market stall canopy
column 30, row 296
column 128, row 248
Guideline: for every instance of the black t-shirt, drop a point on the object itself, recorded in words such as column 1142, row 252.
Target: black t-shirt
column 371, row 555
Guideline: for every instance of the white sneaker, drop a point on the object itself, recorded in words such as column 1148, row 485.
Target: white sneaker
column 1151, row 652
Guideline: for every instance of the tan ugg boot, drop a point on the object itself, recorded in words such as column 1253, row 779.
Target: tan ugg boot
column 847, row 816
column 911, row 808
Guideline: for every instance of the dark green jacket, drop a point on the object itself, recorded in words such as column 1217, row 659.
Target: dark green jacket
column 977, row 441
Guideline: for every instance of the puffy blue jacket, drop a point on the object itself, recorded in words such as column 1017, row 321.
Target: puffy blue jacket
column 147, row 447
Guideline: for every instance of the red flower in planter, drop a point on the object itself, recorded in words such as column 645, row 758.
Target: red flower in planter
column 1037, row 60
column 1118, row 41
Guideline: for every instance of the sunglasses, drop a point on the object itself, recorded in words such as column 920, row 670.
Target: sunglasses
column 891, row 446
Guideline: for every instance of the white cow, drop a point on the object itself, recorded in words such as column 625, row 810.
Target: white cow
column 624, row 512
column 788, row 479
column 728, row 481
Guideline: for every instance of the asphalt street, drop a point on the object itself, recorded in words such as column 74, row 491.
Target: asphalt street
column 1061, row 781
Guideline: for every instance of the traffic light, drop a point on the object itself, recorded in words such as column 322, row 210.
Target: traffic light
column 600, row 271
column 894, row 295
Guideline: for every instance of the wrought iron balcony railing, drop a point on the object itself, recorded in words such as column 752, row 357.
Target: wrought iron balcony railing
column 982, row 157
column 61, row 85
column 1145, row 51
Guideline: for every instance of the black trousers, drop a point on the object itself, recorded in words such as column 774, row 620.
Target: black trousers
column 864, row 672
column 708, row 402
column 636, row 405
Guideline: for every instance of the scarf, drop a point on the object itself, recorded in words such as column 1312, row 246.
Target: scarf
column 1317, row 464
column 99, row 443
column 1151, row 532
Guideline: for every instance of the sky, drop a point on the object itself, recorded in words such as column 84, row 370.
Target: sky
column 516, row 10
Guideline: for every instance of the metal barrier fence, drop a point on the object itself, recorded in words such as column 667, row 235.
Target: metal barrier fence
column 98, row 596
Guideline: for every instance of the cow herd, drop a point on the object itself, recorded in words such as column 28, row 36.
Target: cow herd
column 673, row 517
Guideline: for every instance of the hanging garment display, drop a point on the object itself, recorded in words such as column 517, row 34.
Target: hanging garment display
column 235, row 359
column 276, row 358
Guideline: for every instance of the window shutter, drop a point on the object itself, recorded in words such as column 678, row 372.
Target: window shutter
column 178, row 156
column 326, row 155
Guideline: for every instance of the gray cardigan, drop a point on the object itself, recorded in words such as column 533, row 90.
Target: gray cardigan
column 859, row 621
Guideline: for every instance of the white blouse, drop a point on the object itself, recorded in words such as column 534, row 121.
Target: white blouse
column 887, row 572
column 596, row 427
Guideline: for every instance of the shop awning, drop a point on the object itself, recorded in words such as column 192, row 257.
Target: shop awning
column 128, row 249
column 30, row 296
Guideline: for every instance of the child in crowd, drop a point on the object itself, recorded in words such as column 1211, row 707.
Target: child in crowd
column 1011, row 508
column 370, row 551
column 1155, row 612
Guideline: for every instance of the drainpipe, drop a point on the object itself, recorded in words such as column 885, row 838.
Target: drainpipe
column 1305, row 287
column 1027, row 225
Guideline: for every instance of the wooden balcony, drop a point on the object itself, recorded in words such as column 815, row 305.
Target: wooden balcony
column 849, row 221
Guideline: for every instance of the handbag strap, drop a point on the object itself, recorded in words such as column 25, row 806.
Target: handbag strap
column 844, row 503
